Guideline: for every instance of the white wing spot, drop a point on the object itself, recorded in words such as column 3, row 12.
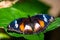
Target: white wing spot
column 37, row 25
column 16, row 25
column 45, row 19
column 28, row 27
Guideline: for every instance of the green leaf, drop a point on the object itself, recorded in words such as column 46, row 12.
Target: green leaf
column 55, row 24
column 35, row 36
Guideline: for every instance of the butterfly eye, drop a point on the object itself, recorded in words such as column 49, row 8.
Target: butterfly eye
column 42, row 24
column 22, row 27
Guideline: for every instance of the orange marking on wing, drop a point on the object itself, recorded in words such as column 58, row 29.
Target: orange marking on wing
column 22, row 27
column 41, row 23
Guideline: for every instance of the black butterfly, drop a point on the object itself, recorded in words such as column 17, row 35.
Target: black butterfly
column 30, row 25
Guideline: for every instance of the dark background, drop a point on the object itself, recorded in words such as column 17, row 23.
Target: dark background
column 53, row 35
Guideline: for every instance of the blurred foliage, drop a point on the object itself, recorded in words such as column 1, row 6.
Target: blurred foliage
column 3, row 35
column 24, row 9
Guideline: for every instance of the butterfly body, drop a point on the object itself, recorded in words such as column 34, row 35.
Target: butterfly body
column 30, row 25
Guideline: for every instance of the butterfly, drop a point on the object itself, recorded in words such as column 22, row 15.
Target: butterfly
column 30, row 25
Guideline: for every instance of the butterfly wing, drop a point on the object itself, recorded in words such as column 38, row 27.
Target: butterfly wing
column 14, row 25
column 43, row 22
column 45, row 17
